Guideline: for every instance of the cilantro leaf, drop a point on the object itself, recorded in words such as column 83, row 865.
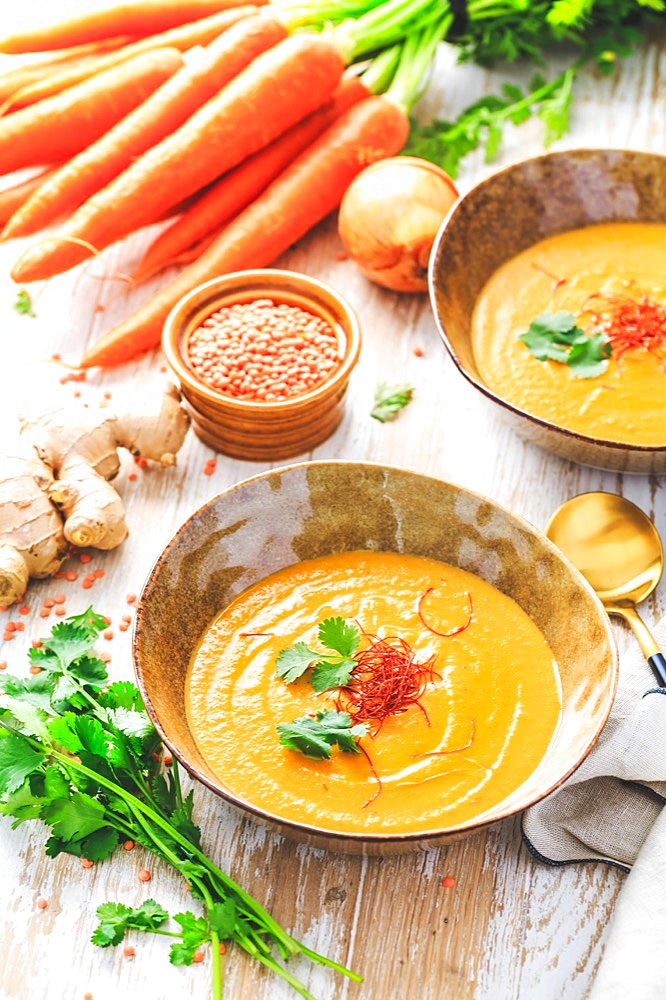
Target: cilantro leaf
column 294, row 661
column 74, row 818
column 389, row 400
column 116, row 918
column 223, row 917
column 17, row 760
column 315, row 737
column 332, row 675
column 557, row 338
column 337, row 634
column 23, row 304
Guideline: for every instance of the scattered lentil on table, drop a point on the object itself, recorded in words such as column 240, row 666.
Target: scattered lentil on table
column 263, row 350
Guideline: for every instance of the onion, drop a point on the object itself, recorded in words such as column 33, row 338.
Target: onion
column 389, row 217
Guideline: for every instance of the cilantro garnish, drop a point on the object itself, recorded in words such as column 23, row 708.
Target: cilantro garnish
column 23, row 304
column 81, row 754
column 389, row 400
column 315, row 737
column 331, row 669
column 555, row 337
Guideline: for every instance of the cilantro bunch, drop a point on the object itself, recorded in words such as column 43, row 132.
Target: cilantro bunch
column 80, row 754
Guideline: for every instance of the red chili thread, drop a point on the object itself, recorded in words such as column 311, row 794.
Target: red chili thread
column 558, row 282
column 629, row 323
column 386, row 680
column 443, row 753
column 451, row 631
column 248, row 635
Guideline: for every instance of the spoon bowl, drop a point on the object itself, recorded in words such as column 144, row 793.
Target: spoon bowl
column 618, row 550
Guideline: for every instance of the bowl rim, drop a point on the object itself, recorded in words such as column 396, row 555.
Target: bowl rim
column 300, row 830
column 585, row 439
column 351, row 327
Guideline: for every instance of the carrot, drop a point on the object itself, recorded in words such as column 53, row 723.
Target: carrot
column 141, row 18
column 236, row 189
column 275, row 91
column 63, row 125
column 11, row 198
column 25, row 76
column 183, row 38
column 159, row 115
column 288, row 208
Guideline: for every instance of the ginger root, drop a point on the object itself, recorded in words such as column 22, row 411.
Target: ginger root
column 62, row 492
column 32, row 541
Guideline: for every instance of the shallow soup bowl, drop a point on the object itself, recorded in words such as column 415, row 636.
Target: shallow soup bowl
column 299, row 512
column 511, row 211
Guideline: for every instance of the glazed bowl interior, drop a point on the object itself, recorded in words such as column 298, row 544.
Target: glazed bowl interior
column 313, row 509
column 507, row 213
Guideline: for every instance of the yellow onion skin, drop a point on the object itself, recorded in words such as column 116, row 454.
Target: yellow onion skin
column 389, row 217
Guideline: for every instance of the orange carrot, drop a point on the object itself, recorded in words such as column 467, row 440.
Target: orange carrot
column 62, row 125
column 183, row 38
column 237, row 188
column 276, row 90
column 158, row 116
column 11, row 198
column 141, row 18
column 25, row 76
column 288, row 208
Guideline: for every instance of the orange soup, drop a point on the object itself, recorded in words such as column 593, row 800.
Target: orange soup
column 611, row 278
column 485, row 718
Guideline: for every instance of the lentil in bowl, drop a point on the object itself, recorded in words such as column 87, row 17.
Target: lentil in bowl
column 230, row 416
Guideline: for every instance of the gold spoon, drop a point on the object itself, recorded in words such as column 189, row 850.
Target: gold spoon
column 619, row 552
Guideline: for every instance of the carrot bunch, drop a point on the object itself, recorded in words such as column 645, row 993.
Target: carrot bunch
column 209, row 109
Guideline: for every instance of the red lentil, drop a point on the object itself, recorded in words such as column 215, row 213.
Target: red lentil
column 144, row 875
column 59, row 599
column 61, row 610
column 3, row 664
column 128, row 845
column 10, row 627
column 42, row 903
column 86, row 863
column 448, row 882
column 128, row 951
column 131, row 598
column 123, row 626
column 132, row 476
column 198, row 956
column 35, row 670
column 108, row 634
column 7, row 635
column 85, row 557
column 71, row 574
column 263, row 350
column 24, row 610
column 20, row 627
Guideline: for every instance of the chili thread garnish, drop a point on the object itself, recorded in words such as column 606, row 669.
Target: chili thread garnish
column 443, row 753
column 387, row 680
column 558, row 282
column 248, row 635
column 630, row 323
column 451, row 631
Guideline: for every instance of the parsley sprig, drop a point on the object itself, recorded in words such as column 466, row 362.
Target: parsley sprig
column 79, row 753
column 556, row 337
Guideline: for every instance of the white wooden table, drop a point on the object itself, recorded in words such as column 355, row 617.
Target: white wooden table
column 510, row 927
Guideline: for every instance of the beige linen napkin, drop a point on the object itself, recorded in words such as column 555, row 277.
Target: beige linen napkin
column 612, row 809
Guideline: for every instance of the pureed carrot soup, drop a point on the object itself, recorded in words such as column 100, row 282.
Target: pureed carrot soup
column 595, row 359
column 444, row 694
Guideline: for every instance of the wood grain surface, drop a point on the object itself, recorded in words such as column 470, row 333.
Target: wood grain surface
column 509, row 928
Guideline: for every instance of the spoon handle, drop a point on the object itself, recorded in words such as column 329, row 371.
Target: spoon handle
column 658, row 663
